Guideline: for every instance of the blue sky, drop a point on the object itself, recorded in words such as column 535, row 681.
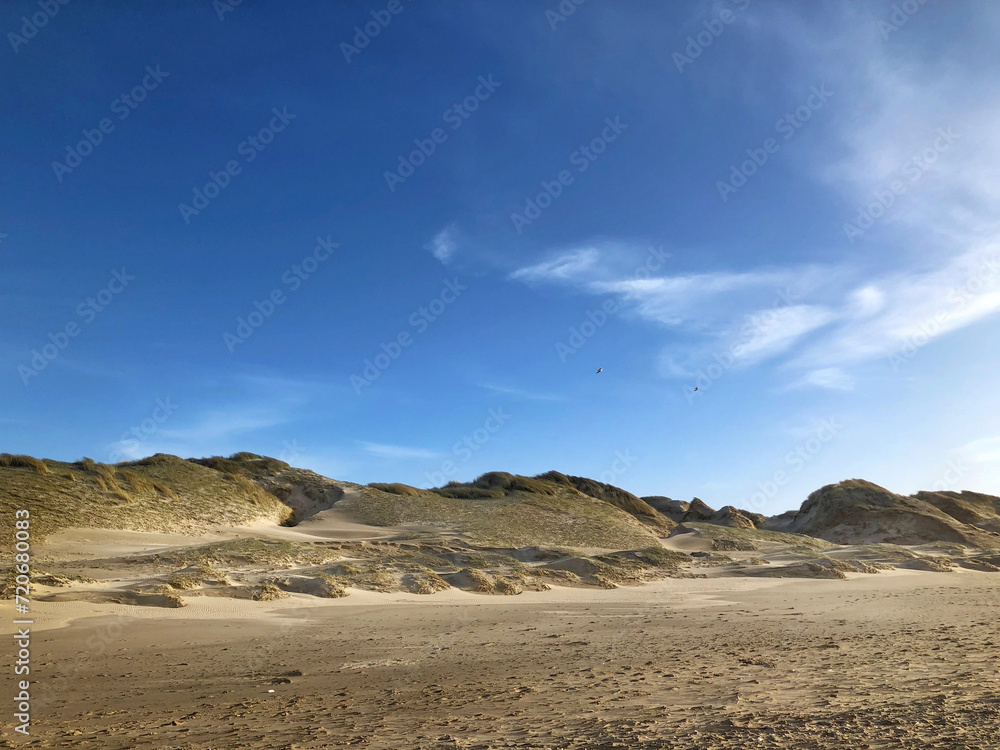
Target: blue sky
column 403, row 255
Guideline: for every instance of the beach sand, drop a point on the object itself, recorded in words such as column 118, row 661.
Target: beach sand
column 902, row 659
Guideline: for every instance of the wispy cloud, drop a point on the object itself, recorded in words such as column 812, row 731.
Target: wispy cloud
column 674, row 300
column 847, row 325
column 913, row 308
column 866, row 301
column 938, row 242
column 831, row 378
column 444, row 244
column 779, row 329
column 395, row 451
column 568, row 267
column 925, row 130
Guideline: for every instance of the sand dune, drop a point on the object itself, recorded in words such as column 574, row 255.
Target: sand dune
column 511, row 612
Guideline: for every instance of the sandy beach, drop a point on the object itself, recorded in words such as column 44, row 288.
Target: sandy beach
column 898, row 660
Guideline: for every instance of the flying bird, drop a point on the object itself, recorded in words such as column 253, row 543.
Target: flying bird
column 599, row 370
column 696, row 387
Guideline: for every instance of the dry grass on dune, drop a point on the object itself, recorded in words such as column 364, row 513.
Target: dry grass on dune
column 160, row 493
column 395, row 488
column 509, row 510
column 609, row 493
column 248, row 552
column 245, row 464
column 857, row 511
column 27, row 462
column 518, row 519
column 758, row 538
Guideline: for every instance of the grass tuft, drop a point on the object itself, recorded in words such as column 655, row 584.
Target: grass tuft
column 244, row 464
column 481, row 581
column 267, row 592
column 395, row 488
column 27, row 462
column 465, row 492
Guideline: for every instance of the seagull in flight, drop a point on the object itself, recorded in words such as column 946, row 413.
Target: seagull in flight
column 599, row 370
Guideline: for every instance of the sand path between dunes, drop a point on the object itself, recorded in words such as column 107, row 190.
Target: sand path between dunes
column 92, row 543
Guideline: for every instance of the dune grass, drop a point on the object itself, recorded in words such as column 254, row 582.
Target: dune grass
column 564, row 518
column 465, row 492
column 26, row 462
column 244, row 464
column 759, row 536
column 161, row 493
column 550, row 509
column 246, row 552
column 607, row 492
column 395, row 488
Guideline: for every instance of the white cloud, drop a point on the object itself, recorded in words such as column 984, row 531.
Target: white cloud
column 896, row 95
column 762, row 335
column 927, row 131
column 567, row 267
column 395, row 451
column 866, row 301
column 832, row 378
column 723, row 312
column 938, row 244
column 774, row 331
column 914, row 309
column 444, row 244
column 675, row 299
column 712, row 303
